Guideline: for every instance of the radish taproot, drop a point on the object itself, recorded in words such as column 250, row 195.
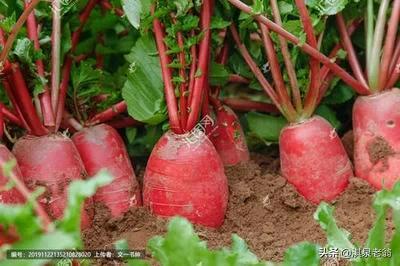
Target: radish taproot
column 52, row 161
column 228, row 137
column 376, row 121
column 179, row 182
column 184, row 174
column 101, row 147
column 313, row 158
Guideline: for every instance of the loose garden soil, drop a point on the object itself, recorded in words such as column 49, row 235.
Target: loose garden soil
column 263, row 209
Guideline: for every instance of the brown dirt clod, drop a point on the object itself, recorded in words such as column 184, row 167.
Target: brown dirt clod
column 379, row 149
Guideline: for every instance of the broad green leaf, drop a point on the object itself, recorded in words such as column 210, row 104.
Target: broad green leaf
column 78, row 191
column 143, row 89
column 302, row 254
column 337, row 237
column 339, row 94
column 266, row 127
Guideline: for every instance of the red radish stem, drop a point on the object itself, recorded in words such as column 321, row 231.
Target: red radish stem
column 8, row 89
column 55, row 54
column 45, row 100
column 282, row 94
column 286, row 58
column 101, row 147
column 192, row 73
column 388, row 48
column 313, row 90
column 10, row 116
column 167, row 77
column 257, row 72
column 396, row 56
column 72, row 122
column 234, row 78
column 27, row 109
column 246, row 105
column 346, row 77
column 182, row 74
column 66, row 70
column 107, row 5
column 109, row 113
column 20, row 193
column 14, row 31
column 123, row 122
column 204, row 56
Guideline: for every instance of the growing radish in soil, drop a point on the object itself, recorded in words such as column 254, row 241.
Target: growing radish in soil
column 375, row 148
column 313, row 158
column 228, row 136
column 101, row 147
column 184, row 174
column 46, row 158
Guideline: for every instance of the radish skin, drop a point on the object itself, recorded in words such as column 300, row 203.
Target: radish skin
column 228, row 138
column 101, row 147
column 11, row 196
column 314, row 160
column 52, row 161
column 186, row 178
column 376, row 122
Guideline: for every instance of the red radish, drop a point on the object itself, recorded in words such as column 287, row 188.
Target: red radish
column 101, row 147
column 11, row 196
column 186, row 177
column 376, row 121
column 51, row 161
column 228, row 137
column 314, row 160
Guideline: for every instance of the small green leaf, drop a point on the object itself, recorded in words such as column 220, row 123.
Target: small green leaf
column 302, row 254
column 337, row 238
column 330, row 115
column 327, row 7
column 218, row 75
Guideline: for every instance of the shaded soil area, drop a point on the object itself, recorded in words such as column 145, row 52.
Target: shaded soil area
column 263, row 209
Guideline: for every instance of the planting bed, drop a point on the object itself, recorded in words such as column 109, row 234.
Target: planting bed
column 263, row 209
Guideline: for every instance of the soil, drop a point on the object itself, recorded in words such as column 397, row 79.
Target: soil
column 379, row 149
column 263, row 209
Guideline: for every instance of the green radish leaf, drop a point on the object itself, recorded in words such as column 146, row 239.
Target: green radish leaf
column 8, row 22
column 327, row 7
column 78, row 191
column 302, row 254
column 218, row 75
column 266, row 127
column 339, row 94
column 337, row 238
column 143, row 90
column 330, row 115
column 24, row 51
column 57, row 240
column 133, row 10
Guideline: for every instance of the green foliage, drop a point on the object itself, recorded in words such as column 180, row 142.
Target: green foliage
column 266, row 127
column 143, row 90
column 341, row 239
column 327, row 7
